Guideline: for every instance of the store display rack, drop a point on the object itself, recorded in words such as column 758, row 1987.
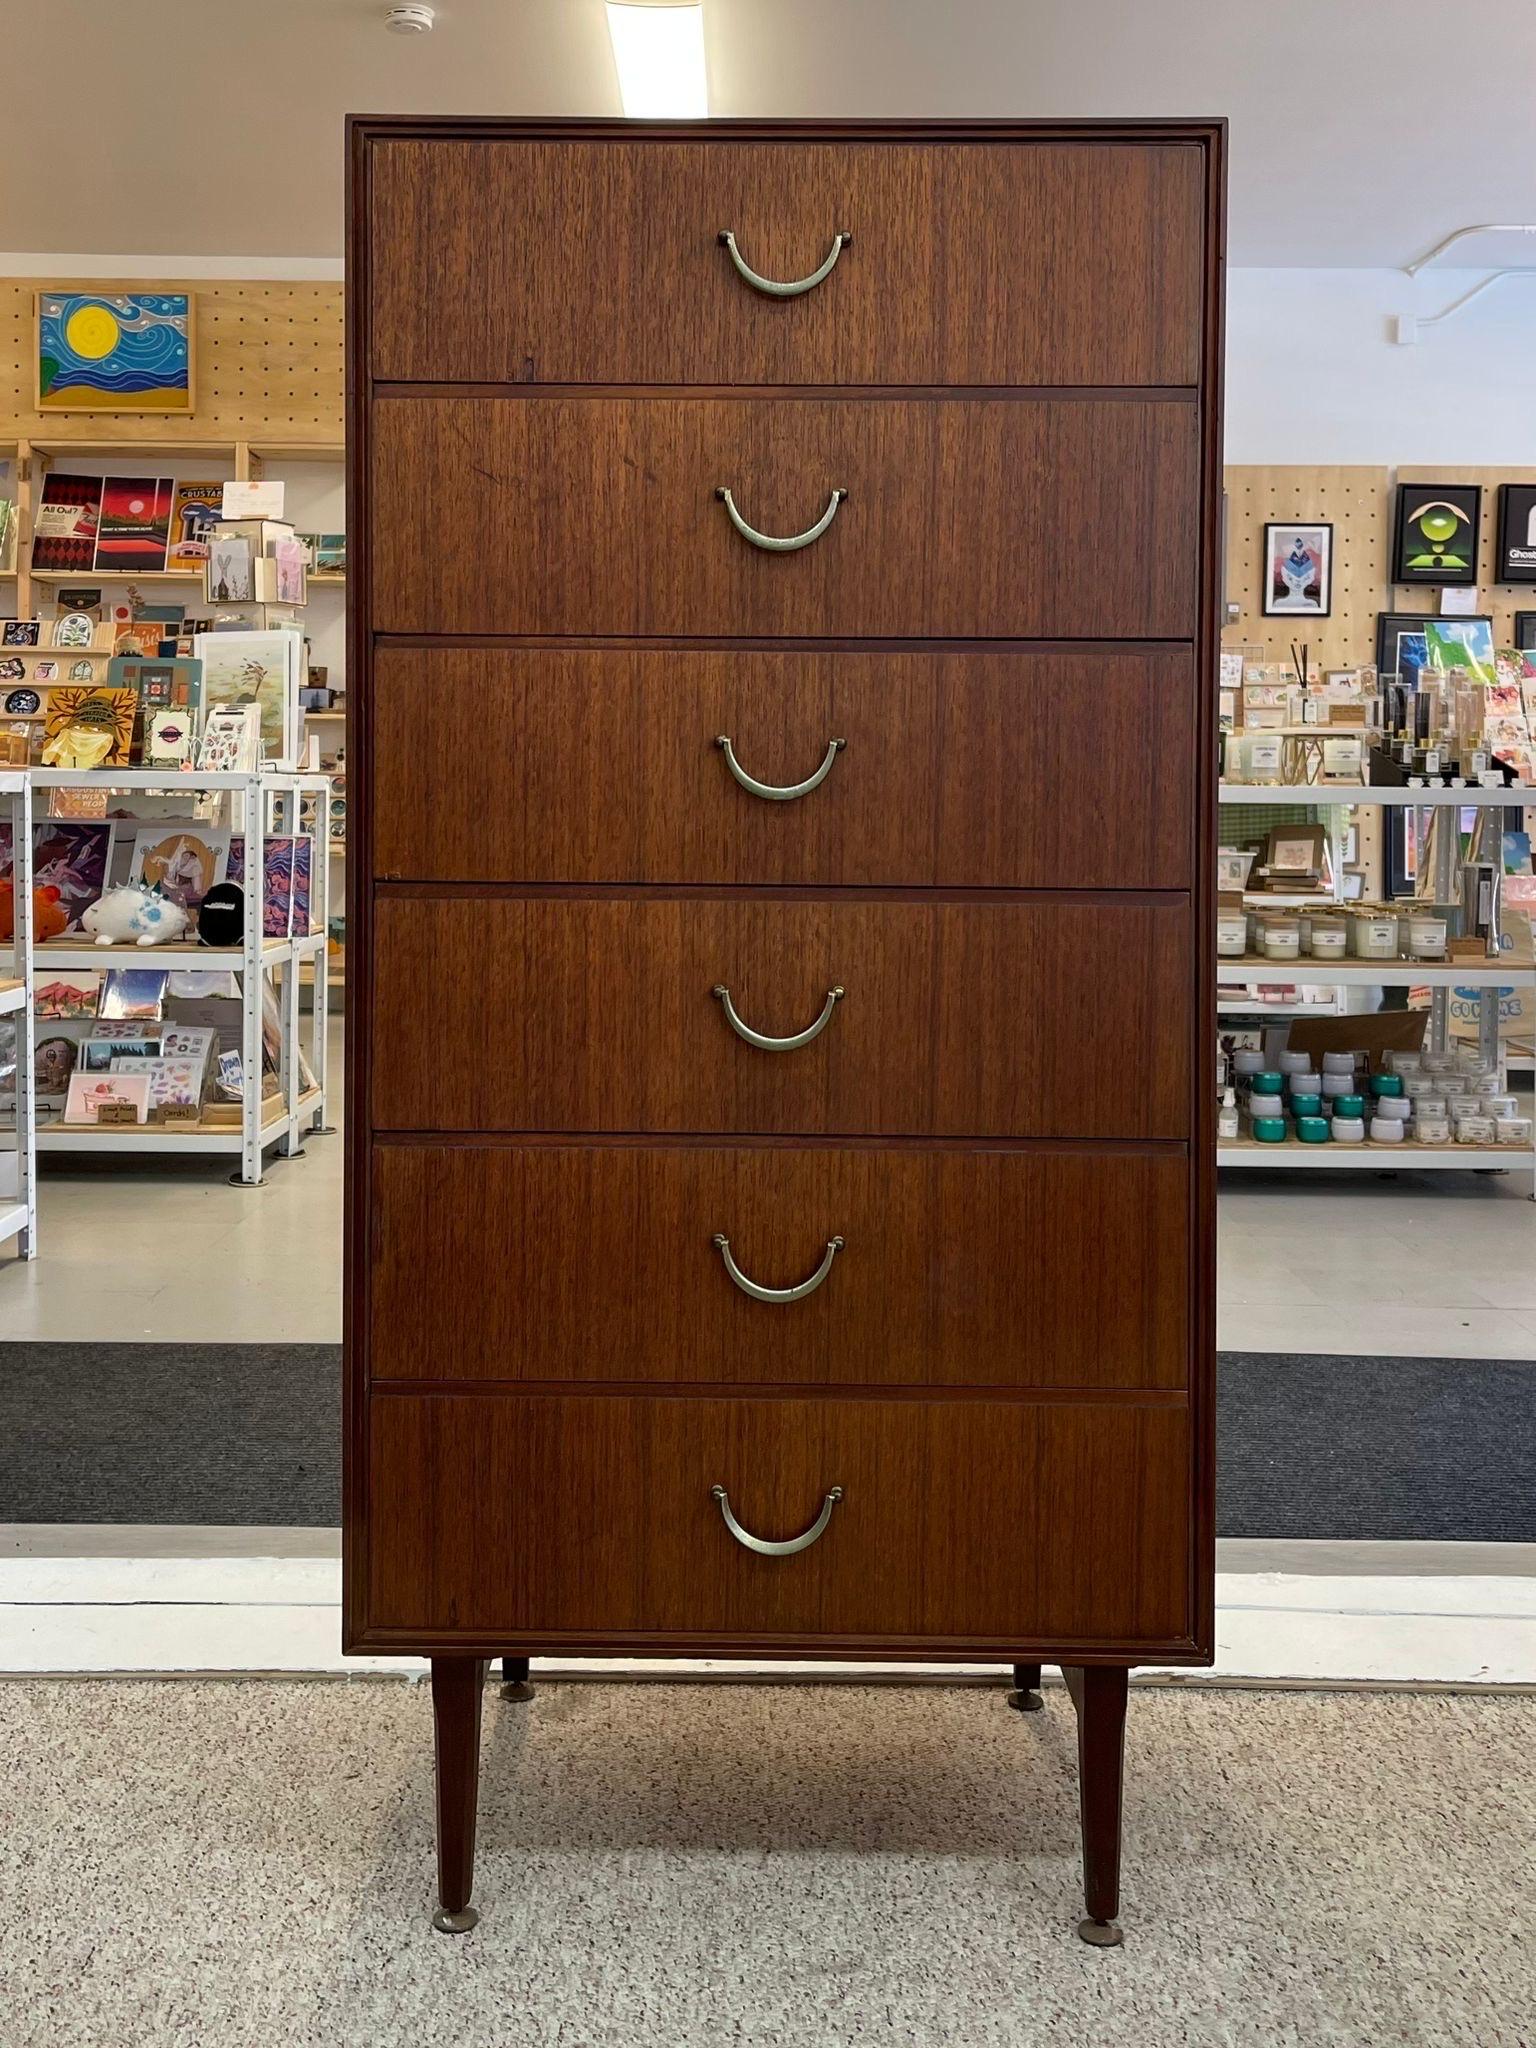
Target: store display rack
column 266, row 801
column 1486, row 976
column 18, row 1168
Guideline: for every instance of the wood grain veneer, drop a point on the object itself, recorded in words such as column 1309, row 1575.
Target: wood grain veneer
column 1014, row 371
column 1012, row 1017
column 1001, row 263
column 1011, row 770
column 1071, row 518
column 552, row 1515
column 597, row 1262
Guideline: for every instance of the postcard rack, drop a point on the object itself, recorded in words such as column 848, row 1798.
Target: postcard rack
column 18, row 1164
column 264, row 802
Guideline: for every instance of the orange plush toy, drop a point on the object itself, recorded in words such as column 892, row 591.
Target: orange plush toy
column 49, row 917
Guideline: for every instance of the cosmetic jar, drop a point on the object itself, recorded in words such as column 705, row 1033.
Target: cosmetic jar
column 1348, row 1130
column 1269, row 1130
column 1386, row 1130
column 1312, row 1130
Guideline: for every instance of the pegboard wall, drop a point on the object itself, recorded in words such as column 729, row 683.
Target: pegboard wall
column 269, row 366
column 1360, row 503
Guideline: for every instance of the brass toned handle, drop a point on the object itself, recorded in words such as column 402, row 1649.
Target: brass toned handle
column 759, row 1543
column 776, row 544
column 778, row 792
column 759, row 1039
column 723, row 1246
column 770, row 285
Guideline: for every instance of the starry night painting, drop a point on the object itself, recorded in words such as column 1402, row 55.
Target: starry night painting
column 123, row 352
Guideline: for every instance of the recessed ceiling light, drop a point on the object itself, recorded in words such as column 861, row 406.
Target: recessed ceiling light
column 658, row 46
column 413, row 20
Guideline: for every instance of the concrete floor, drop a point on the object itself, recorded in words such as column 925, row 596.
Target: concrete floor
column 1434, row 1265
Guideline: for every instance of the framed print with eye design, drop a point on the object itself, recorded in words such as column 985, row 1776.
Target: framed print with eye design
column 1435, row 538
column 1298, row 569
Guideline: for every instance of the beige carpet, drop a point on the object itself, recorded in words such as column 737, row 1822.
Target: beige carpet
column 251, row 1862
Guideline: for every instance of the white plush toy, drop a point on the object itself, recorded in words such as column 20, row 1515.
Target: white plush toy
column 144, row 915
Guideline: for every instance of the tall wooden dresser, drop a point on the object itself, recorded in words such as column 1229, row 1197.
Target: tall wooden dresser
column 783, row 621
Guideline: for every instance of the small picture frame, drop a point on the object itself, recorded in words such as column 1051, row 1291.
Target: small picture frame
column 1294, row 850
column 1525, row 632
column 1298, row 569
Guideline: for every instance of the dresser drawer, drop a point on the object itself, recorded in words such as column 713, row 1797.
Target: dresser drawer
column 1022, row 517
column 565, row 1517
column 581, row 262
column 1005, row 770
column 951, row 1268
column 1027, row 1018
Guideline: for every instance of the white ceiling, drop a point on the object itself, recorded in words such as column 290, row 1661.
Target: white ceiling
column 1362, row 130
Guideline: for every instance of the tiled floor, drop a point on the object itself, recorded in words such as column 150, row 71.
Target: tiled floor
column 1418, row 1264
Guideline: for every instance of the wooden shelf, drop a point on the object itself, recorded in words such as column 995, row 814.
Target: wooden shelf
column 88, row 576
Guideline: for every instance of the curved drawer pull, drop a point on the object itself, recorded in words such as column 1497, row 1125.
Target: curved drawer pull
column 758, row 1543
column 772, row 542
column 764, row 1044
column 771, row 286
column 775, row 792
column 723, row 1246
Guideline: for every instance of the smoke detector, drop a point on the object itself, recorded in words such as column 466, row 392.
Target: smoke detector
column 409, row 21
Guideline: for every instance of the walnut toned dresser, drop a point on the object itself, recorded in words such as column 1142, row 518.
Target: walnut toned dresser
column 783, row 622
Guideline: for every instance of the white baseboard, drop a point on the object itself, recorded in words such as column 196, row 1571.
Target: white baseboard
column 144, row 1601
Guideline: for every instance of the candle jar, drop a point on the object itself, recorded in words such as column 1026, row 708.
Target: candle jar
column 1328, row 938
column 1231, row 934
column 1280, row 938
column 1426, row 936
column 1374, row 935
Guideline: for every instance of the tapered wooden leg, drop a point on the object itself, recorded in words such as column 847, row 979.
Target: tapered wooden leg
column 1098, row 1693
column 457, row 1683
column 515, row 1683
column 1026, row 1689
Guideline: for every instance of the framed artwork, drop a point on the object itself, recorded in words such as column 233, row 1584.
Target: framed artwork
column 1298, row 569
column 71, row 855
column 21, row 632
column 228, row 575
column 1461, row 643
column 261, row 668
column 1435, row 537
column 64, row 525
column 135, row 525
column 115, row 352
column 1401, row 647
column 1525, row 632
column 1516, row 558
column 194, row 510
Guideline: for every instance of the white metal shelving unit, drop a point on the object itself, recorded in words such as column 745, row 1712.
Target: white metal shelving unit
column 18, row 1186
column 1487, row 976
column 266, row 802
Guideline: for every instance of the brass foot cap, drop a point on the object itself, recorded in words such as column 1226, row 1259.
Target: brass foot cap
column 1026, row 1702
column 455, row 1923
column 1101, row 1933
column 518, row 1690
